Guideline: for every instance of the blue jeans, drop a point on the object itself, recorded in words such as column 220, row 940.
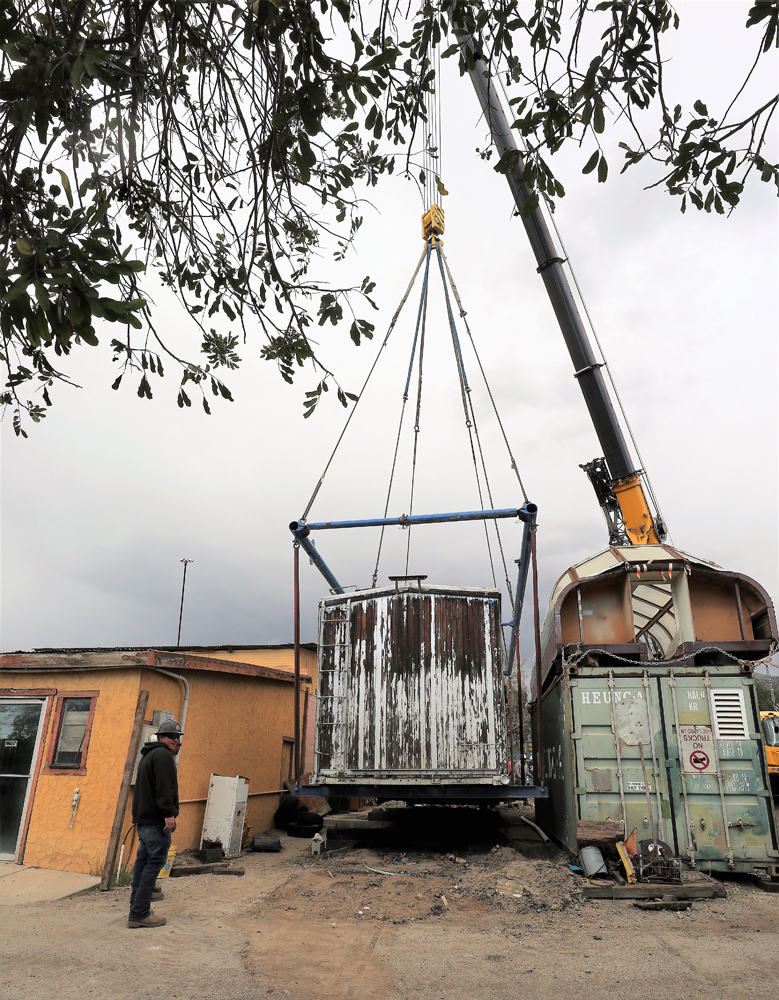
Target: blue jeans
column 153, row 847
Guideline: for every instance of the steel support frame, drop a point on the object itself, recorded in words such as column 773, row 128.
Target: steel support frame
column 427, row 793
column 301, row 530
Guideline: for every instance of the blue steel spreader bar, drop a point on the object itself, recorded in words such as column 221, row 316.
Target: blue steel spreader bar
column 408, row 519
column 519, row 597
column 301, row 530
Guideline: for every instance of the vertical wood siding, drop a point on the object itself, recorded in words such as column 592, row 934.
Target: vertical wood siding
column 410, row 687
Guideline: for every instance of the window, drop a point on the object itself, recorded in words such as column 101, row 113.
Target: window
column 71, row 731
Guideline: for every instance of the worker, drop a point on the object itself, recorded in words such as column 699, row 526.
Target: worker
column 155, row 808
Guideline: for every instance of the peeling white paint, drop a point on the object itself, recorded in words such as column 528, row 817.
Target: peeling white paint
column 411, row 687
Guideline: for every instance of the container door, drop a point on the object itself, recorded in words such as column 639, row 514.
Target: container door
column 20, row 724
column 618, row 736
column 718, row 819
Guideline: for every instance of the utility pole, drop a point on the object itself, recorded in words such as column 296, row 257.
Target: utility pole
column 183, row 585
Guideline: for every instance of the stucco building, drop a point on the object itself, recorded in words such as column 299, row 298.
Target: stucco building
column 69, row 720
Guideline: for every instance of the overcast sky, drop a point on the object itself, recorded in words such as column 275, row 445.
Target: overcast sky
column 110, row 492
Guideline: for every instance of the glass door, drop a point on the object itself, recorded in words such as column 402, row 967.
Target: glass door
column 20, row 723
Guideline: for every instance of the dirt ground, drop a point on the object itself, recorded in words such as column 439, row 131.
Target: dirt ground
column 486, row 921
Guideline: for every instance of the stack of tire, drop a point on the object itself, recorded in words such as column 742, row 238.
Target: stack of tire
column 296, row 819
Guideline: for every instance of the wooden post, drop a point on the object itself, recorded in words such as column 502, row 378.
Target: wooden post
column 124, row 791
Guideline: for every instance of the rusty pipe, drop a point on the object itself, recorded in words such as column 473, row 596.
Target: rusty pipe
column 296, row 604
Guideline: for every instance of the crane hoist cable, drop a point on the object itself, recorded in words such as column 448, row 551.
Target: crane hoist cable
column 474, row 438
column 433, row 244
column 417, row 417
column 463, row 316
column 433, row 227
column 421, row 318
column 391, row 327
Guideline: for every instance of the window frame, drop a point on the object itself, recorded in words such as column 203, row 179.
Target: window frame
column 56, row 726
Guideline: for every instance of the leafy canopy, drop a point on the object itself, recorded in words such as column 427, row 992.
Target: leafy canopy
column 225, row 146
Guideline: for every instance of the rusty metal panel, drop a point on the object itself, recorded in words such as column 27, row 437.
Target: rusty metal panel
column 411, row 687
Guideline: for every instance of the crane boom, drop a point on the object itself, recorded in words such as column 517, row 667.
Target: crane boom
column 617, row 481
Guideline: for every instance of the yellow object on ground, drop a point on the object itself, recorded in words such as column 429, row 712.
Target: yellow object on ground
column 627, row 863
column 165, row 873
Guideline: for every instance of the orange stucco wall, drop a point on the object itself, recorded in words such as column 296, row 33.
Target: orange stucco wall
column 279, row 659
column 234, row 725
column 51, row 842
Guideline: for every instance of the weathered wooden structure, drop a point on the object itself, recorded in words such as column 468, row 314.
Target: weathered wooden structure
column 411, row 698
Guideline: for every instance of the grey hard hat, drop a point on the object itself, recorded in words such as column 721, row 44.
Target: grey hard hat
column 169, row 727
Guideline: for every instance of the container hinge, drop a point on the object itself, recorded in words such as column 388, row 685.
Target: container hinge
column 576, row 736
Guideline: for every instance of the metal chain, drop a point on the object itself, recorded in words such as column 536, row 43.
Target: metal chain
column 752, row 664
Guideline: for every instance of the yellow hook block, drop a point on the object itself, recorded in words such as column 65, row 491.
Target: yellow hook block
column 433, row 222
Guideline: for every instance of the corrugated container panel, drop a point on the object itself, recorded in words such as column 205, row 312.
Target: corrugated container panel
column 702, row 785
column 410, row 687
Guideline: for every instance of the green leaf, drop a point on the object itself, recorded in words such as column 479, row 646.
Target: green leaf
column 603, row 170
column 385, row 58
column 592, row 163
column 598, row 119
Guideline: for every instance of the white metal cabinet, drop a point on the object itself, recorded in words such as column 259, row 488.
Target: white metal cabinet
column 225, row 813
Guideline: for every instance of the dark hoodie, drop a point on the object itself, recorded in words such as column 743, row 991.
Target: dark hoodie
column 156, row 794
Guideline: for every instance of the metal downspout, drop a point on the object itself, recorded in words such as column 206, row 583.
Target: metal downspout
column 682, row 775
column 707, row 683
column 185, row 682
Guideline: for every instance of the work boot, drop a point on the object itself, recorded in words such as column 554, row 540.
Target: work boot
column 157, row 895
column 151, row 920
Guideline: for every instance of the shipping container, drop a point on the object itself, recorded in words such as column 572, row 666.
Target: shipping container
column 650, row 713
column 411, row 690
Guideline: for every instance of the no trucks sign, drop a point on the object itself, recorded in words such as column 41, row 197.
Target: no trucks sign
column 696, row 749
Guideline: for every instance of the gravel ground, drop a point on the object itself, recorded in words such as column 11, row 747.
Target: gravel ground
column 476, row 922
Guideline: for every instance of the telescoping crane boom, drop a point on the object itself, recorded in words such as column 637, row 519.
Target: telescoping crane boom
column 617, row 482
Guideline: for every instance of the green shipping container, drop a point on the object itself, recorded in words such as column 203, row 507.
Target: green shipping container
column 661, row 736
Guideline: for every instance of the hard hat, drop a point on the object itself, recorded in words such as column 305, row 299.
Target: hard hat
column 169, row 727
